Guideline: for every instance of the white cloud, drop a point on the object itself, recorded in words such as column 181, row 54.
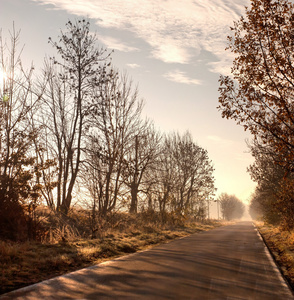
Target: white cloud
column 133, row 66
column 116, row 44
column 176, row 31
column 181, row 77
column 170, row 52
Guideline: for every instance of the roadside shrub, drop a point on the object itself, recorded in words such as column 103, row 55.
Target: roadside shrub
column 13, row 225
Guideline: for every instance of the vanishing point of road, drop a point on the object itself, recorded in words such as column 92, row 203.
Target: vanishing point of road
column 229, row 262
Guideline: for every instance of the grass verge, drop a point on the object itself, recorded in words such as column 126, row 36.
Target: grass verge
column 281, row 245
column 22, row 264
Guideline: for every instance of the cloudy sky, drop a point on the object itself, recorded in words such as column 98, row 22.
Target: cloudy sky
column 174, row 50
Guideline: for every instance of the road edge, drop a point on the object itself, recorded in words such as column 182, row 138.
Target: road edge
column 14, row 293
column 274, row 263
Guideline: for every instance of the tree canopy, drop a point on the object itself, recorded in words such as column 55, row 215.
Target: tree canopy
column 259, row 94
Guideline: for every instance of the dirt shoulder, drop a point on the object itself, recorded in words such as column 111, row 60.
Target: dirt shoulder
column 23, row 264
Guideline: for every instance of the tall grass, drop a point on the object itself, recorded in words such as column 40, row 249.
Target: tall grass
column 281, row 244
column 68, row 247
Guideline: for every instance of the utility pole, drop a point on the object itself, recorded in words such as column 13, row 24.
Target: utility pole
column 217, row 203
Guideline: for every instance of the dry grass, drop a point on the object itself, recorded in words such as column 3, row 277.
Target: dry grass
column 31, row 262
column 281, row 245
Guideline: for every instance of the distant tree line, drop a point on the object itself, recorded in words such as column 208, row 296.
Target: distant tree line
column 259, row 96
column 231, row 207
column 75, row 132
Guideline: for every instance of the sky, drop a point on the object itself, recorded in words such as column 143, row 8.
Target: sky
column 173, row 50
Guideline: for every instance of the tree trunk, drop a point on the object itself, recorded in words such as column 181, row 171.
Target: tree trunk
column 134, row 199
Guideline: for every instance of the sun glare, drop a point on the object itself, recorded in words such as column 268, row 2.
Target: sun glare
column 3, row 76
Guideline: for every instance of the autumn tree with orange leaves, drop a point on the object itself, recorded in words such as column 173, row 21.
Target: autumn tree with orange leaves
column 260, row 93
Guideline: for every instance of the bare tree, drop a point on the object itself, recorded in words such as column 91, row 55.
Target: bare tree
column 195, row 182
column 18, row 184
column 164, row 176
column 114, row 115
column 231, row 207
column 68, row 92
column 184, row 176
column 140, row 158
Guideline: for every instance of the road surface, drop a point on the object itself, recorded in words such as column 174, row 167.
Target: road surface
column 225, row 263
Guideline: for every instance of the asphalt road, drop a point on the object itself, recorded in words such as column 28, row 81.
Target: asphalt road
column 230, row 262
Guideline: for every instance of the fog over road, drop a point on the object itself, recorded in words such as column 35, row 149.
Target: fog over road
column 225, row 263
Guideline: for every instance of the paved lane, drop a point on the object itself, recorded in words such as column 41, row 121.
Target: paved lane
column 226, row 263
